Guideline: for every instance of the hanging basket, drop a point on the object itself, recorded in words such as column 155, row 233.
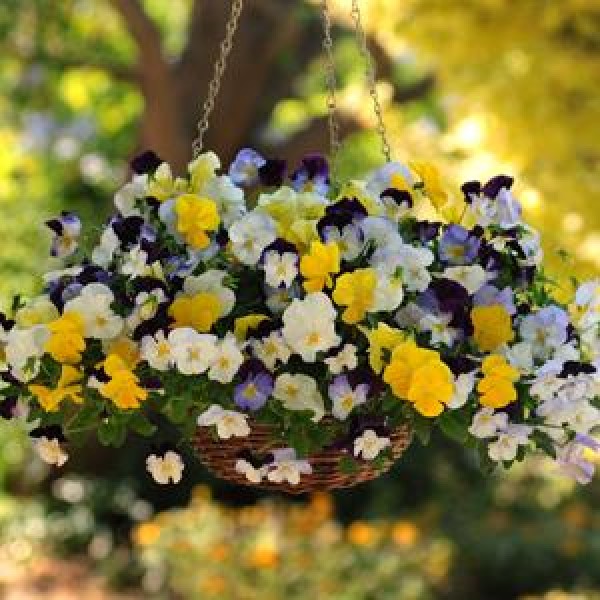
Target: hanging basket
column 327, row 471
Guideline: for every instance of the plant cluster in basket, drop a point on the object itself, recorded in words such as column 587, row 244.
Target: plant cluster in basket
column 327, row 317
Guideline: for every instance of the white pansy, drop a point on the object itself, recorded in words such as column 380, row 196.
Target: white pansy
column 125, row 198
column 287, row 468
column 21, row 345
column 103, row 253
column 506, row 446
column 369, row 445
column 486, row 423
column 471, row 277
column 271, row 350
column 50, row 451
column 345, row 359
column 146, row 305
column 463, row 386
column 228, row 197
column 165, row 469
column 389, row 291
column 52, row 276
column 530, row 243
column 349, row 240
column 414, row 263
column 229, row 423
column 410, row 316
column 299, row 392
column 93, row 305
column 280, row 269
column 249, row 471
column 383, row 178
column 211, row 282
column 439, row 327
column 383, row 233
column 574, row 460
column 227, row 361
column 520, row 356
column 193, row 352
column 135, row 262
column 309, row 326
column 157, row 352
column 345, row 398
column 250, row 235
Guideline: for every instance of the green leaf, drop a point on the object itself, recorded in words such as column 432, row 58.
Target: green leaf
column 348, row 466
column 141, row 424
column 454, row 426
column 422, row 427
column 544, row 442
column 112, row 432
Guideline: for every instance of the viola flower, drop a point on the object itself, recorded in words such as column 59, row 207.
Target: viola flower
column 355, row 291
column 250, row 236
column 228, row 423
column 439, row 328
column 165, row 469
column 157, row 352
column 369, row 445
column 492, row 327
column 280, row 269
column 67, row 229
column 414, row 262
column 271, row 350
column 382, row 340
column 471, row 277
column 66, row 343
column 227, row 361
column 128, row 198
column 286, row 467
column 312, row 176
column 51, row 451
column 345, row 397
column 397, row 203
column 546, row 329
column 573, row 459
column 93, row 305
column 391, row 175
column 319, row 265
column 244, row 170
column 299, row 392
column 487, row 423
column 252, row 473
column 458, row 246
column 122, row 387
column 309, row 326
column 272, row 173
column 505, row 448
column 348, row 239
column 488, row 295
column 497, row 387
column 254, row 391
column 68, row 387
column 345, row 359
column 193, row 352
column 196, row 217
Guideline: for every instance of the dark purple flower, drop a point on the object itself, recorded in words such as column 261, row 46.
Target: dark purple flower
column 427, row 231
column 451, row 298
column 492, row 188
column 572, row 368
column 400, row 197
column 342, row 213
column 6, row 323
column 272, row 173
column 459, row 364
column 458, row 246
column 66, row 229
column 244, row 170
column 128, row 229
column 313, row 175
column 52, row 432
column 160, row 321
column 147, row 162
column 8, row 407
column 254, row 391
column 280, row 246
column 470, row 189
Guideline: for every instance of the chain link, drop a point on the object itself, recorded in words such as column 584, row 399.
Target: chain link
column 219, row 70
column 334, row 126
column 371, row 79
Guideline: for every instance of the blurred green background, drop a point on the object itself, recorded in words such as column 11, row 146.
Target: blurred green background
column 479, row 86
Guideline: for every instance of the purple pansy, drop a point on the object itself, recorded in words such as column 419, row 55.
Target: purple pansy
column 458, row 246
column 272, row 173
column 313, row 175
column 254, row 391
column 489, row 295
column 245, row 169
column 146, row 163
column 66, row 229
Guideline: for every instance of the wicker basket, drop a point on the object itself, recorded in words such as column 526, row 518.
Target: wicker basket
column 220, row 458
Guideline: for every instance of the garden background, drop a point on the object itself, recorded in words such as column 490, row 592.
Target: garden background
column 479, row 86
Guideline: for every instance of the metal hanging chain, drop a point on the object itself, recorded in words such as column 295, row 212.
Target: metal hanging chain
column 371, row 79
column 219, row 70
column 334, row 126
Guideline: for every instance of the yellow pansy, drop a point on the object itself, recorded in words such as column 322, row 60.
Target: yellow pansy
column 383, row 337
column 202, row 170
column 419, row 376
column 163, row 185
column 125, row 348
column 356, row 291
column 492, row 327
column 67, row 388
column 243, row 324
column 431, row 178
column 196, row 216
column 318, row 266
column 66, row 342
column 399, row 182
column 123, row 386
column 497, row 386
column 200, row 311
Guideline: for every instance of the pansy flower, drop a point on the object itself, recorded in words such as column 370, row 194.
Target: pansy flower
column 165, row 469
column 458, row 246
column 254, row 391
column 244, row 170
column 67, row 229
column 312, row 176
